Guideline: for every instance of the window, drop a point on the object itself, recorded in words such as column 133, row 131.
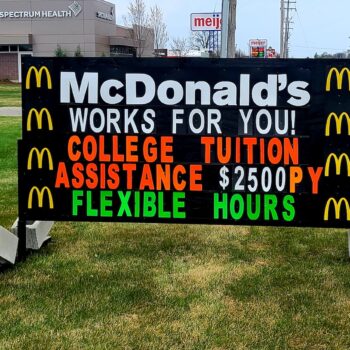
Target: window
column 25, row 48
column 4, row 48
column 16, row 48
column 122, row 51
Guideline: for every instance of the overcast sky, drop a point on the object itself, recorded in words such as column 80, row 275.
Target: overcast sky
column 319, row 25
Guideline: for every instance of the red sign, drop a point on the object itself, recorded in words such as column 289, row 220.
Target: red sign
column 271, row 53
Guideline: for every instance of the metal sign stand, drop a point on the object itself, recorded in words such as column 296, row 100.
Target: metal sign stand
column 22, row 223
column 213, row 40
column 21, row 255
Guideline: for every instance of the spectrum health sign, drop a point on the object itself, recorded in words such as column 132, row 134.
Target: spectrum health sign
column 253, row 142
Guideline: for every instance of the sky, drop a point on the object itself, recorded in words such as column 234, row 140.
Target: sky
column 319, row 25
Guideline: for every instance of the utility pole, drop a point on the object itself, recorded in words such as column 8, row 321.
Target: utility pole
column 287, row 31
column 228, row 29
column 282, row 30
column 287, row 6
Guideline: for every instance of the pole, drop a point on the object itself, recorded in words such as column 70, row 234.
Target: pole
column 22, row 238
column 282, row 30
column 228, row 29
column 224, row 28
column 231, row 44
column 286, row 32
column 22, row 223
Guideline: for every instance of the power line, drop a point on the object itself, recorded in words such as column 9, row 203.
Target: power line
column 302, row 28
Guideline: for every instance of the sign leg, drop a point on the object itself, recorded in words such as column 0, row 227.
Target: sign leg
column 22, row 239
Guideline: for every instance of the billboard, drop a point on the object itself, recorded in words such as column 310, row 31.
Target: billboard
column 206, row 21
column 210, row 141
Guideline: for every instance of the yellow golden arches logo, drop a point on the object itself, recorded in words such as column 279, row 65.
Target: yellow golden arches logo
column 339, row 76
column 38, row 74
column 338, row 122
column 338, row 160
column 39, row 156
column 337, row 205
column 39, row 118
column 40, row 196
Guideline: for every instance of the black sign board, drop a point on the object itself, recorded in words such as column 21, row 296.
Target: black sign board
column 186, row 140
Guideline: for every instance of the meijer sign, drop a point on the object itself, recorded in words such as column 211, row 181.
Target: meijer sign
column 206, row 21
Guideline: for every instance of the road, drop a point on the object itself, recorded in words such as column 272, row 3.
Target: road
column 11, row 111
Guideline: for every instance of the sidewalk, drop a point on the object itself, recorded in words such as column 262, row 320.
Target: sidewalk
column 11, row 111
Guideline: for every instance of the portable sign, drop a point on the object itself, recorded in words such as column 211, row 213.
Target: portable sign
column 253, row 142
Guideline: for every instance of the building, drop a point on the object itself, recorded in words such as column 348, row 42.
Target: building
column 73, row 27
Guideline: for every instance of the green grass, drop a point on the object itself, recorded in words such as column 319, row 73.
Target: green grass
column 138, row 286
column 10, row 130
column 10, row 95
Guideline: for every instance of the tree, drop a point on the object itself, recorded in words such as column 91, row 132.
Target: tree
column 59, row 52
column 330, row 55
column 240, row 54
column 200, row 40
column 139, row 20
column 159, row 28
column 77, row 52
column 179, row 46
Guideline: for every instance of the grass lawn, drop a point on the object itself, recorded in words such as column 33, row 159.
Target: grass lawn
column 10, row 95
column 10, row 131
column 137, row 286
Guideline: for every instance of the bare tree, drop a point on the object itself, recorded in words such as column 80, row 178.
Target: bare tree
column 179, row 46
column 200, row 40
column 240, row 54
column 159, row 28
column 139, row 20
